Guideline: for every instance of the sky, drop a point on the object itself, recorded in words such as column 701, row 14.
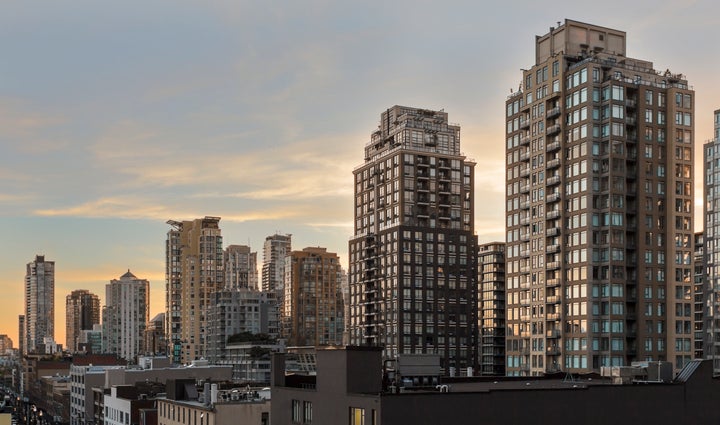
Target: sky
column 118, row 116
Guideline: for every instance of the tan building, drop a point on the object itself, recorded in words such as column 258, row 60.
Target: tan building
column 6, row 344
column 82, row 311
column 194, row 271
column 314, row 310
column 599, row 208
column 413, row 264
column 185, row 404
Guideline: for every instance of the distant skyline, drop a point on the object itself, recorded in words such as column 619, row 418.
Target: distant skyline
column 116, row 117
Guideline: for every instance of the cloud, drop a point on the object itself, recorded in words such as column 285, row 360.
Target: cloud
column 19, row 120
column 142, row 209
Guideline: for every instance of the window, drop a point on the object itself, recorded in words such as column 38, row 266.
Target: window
column 296, row 412
column 357, row 416
column 307, row 412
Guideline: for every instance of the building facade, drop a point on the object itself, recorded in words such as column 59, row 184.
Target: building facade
column 82, row 311
column 194, row 271
column 239, row 311
column 599, row 208
column 240, row 267
column 275, row 248
column 413, row 263
column 491, row 308
column 155, row 341
column 314, row 311
column 21, row 335
column 699, row 296
column 711, row 254
column 125, row 316
column 39, row 303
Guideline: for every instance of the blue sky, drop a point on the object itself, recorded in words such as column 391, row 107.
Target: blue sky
column 117, row 116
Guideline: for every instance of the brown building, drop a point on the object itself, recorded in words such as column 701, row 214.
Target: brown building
column 82, row 311
column 413, row 262
column 349, row 389
column 194, row 271
column 6, row 344
column 155, row 342
column 313, row 312
column 599, row 208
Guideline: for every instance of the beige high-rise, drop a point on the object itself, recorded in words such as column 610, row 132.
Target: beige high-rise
column 194, row 271
column 599, row 208
column 314, row 309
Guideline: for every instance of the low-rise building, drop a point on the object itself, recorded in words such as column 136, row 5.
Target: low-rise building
column 352, row 388
column 214, row 404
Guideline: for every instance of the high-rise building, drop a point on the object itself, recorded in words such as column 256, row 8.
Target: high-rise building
column 39, row 303
column 155, row 342
column 125, row 316
column 699, row 296
column 239, row 311
column 711, row 292
column 491, row 308
column 6, row 344
column 21, row 335
column 194, row 271
column 413, row 260
column 314, row 311
column 275, row 249
column 599, row 208
column 240, row 267
column 82, row 311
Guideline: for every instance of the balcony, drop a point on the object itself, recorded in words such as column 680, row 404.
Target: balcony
column 524, row 123
column 525, row 205
column 553, row 112
column 553, row 163
column 551, row 249
column 525, row 236
column 553, row 197
column 524, row 221
column 552, row 147
column 552, row 231
column 524, row 252
column 553, row 265
column 553, row 299
column 525, row 301
column 525, row 171
column 525, row 156
column 525, row 188
column 553, row 282
column 524, row 269
column 524, row 140
column 552, row 214
column 553, row 351
column 552, row 316
column 630, row 120
column 551, row 181
column 553, row 129
column 553, row 333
